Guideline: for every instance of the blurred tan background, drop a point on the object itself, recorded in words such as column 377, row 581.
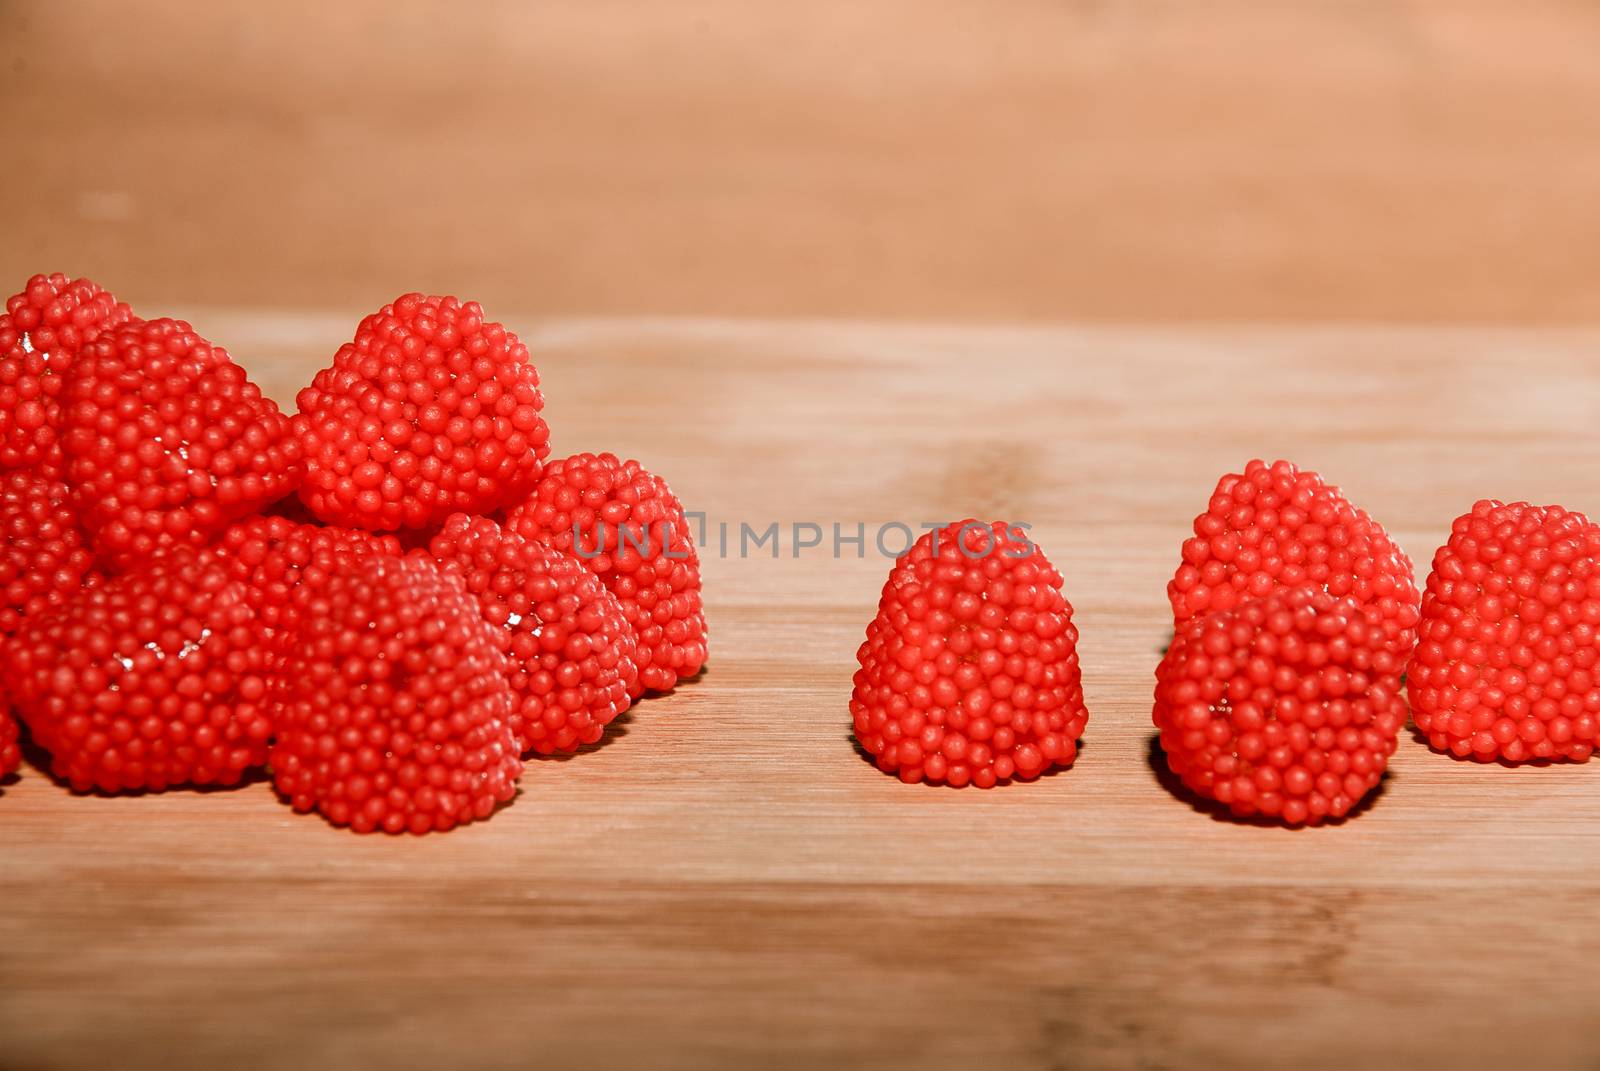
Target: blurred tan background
column 952, row 159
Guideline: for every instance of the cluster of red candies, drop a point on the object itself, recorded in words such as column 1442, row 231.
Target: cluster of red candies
column 388, row 598
column 1299, row 633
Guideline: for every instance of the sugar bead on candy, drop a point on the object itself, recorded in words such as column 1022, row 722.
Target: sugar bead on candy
column 969, row 673
column 430, row 410
column 571, row 651
column 1506, row 667
column 1287, row 706
column 42, row 331
column 150, row 680
column 167, row 441
column 628, row 528
column 1275, row 526
column 45, row 559
column 395, row 703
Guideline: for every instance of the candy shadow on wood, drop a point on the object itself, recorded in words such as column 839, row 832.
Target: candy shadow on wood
column 1219, row 812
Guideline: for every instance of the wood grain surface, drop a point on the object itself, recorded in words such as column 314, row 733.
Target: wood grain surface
column 1132, row 160
column 726, row 882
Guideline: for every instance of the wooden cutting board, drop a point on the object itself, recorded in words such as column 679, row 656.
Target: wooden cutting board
column 726, row 882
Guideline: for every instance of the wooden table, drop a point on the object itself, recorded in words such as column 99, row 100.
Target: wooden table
column 725, row 882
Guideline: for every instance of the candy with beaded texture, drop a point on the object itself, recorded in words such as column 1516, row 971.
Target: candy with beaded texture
column 45, row 559
column 153, row 679
column 282, row 564
column 1275, row 526
column 969, row 673
column 42, row 331
column 430, row 410
column 1506, row 667
column 627, row 527
column 167, row 441
column 394, row 703
column 571, row 651
column 1286, row 706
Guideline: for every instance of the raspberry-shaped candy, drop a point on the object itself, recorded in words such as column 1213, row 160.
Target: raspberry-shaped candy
column 627, row 526
column 572, row 653
column 282, row 564
column 41, row 333
column 10, row 751
column 1273, row 527
column 1286, row 706
column 60, row 316
column 1506, row 664
column 44, row 560
column 969, row 673
column 167, row 441
column 395, row 704
column 146, row 681
column 430, row 410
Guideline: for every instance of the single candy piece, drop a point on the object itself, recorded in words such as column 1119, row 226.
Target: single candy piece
column 969, row 673
column 395, row 704
column 1274, row 527
column 146, row 681
column 429, row 411
column 1286, row 706
column 167, row 441
column 41, row 333
column 1506, row 664
column 10, row 752
column 625, row 524
column 282, row 564
column 571, row 650
column 45, row 559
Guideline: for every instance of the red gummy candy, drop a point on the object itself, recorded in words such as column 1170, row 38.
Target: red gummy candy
column 628, row 528
column 969, row 673
column 153, row 679
column 167, row 441
column 1506, row 665
column 395, row 704
column 1287, row 706
column 429, row 411
column 571, row 651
